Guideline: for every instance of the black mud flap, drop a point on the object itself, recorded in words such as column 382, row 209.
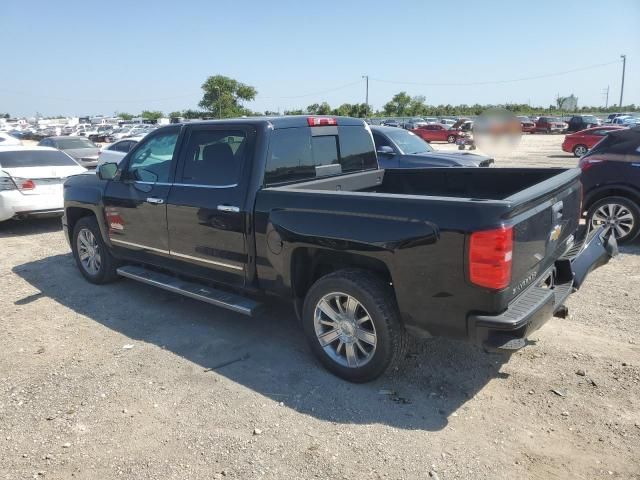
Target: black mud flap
column 599, row 247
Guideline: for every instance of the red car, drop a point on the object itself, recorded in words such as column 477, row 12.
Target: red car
column 550, row 125
column 580, row 142
column 435, row 132
column 527, row 125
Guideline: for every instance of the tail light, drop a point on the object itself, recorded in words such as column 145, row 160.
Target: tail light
column 25, row 184
column 490, row 258
column 586, row 163
column 321, row 121
column 7, row 182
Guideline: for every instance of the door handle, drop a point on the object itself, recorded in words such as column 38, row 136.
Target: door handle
column 154, row 200
column 228, row 208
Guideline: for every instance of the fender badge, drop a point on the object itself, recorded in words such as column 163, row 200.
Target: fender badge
column 555, row 233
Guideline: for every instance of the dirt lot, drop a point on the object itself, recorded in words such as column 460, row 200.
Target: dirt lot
column 126, row 381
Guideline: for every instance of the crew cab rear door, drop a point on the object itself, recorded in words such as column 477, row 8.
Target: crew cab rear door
column 206, row 213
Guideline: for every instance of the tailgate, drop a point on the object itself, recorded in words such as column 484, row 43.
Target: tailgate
column 545, row 218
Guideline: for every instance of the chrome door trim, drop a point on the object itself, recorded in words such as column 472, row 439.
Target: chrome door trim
column 177, row 254
column 165, row 184
column 137, row 245
column 212, row 262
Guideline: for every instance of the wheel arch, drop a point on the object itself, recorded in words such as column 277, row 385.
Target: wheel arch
column 308, row 264
column 610, row 191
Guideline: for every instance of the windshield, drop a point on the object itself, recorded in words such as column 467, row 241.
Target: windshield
column 35, row 158
column 409, row 143
column 589, row 119
column 73, row 143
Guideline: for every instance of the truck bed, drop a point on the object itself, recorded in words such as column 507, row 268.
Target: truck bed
column 464, row 183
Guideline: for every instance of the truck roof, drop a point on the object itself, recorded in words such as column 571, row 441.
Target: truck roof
column 283, row 121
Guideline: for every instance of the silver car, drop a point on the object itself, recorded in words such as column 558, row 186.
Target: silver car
column 83, row 150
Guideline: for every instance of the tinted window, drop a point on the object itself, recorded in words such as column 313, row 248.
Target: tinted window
column 123, row 147
column 409, row 142
column 294, row 154
column 151, row 162
column 380, row 141
column 214, row 157
column 623, row 143
column 356, row 151
column 35, row 158
column 72, row 143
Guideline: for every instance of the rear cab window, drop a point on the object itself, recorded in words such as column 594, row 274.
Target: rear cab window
column 305, row 153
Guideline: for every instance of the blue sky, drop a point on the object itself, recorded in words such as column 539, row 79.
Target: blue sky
column 79, row 57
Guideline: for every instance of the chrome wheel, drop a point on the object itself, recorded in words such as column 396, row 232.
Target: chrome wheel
column 345, row 330
column 615, row 217
column 580, row 150
column 88, row 251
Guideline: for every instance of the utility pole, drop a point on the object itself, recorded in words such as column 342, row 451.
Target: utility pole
column 366, row 77
column 605, row 91
column 624, row 64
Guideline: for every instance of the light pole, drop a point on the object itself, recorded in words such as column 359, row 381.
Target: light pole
column 219, row 101
column 624, row 64
column 366, row 101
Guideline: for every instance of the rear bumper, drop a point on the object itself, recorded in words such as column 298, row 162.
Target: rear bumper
column 509, row 330
column 15, row 204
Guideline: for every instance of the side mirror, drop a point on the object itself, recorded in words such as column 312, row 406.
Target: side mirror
column 107, row 171
column 385, row 150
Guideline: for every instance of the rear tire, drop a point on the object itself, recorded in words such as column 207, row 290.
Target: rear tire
column 352, row 324
column 451, row 139
column 93, row 258
column 619, row 214
column 580, row 150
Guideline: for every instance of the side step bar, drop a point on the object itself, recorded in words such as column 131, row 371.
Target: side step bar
column 219, row 298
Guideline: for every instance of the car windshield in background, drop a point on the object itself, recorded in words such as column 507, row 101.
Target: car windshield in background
column 35, row 158
column 408, row 142
column 589, row 119
column 73, row 143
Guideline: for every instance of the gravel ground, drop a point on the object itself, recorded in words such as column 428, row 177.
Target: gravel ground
column 127, row 381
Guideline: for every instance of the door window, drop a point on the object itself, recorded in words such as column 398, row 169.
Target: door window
column 380, row 141
column 151, row 162
column 214, row 157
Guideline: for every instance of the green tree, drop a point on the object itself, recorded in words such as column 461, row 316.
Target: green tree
column 151, row 115
column 176, row 114
column 398, row 104
column 223, row 96
column 124, row 115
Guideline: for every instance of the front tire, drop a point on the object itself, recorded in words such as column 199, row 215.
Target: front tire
column 618, row 214
column 92, row 256
column 451, row 139
column 352, row 324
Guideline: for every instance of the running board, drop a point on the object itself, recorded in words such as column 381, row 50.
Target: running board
column 219, row 298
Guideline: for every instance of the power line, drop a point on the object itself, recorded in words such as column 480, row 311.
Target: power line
column 495, row 82
column 314, row 93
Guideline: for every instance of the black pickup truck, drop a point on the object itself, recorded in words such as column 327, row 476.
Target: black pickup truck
column 230, row 211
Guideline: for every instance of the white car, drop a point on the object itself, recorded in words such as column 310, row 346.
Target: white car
column 117, row 150
column 31, row 181
column 7, row 140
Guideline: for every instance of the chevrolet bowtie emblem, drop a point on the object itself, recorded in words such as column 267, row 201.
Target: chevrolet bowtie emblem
column 555, row 233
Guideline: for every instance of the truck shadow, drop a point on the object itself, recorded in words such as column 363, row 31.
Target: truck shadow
column 268, row 354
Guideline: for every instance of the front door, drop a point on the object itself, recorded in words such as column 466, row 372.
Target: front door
column 136, row 201
column 206, row 212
